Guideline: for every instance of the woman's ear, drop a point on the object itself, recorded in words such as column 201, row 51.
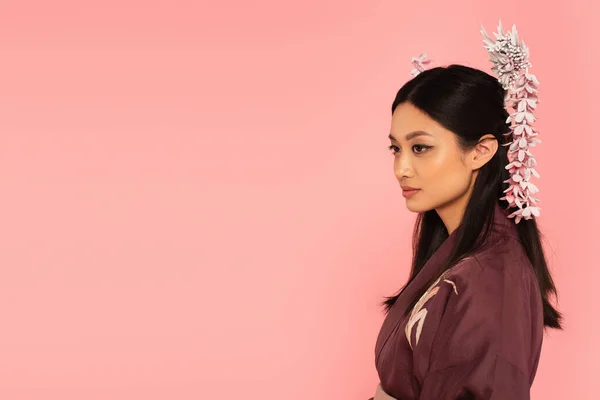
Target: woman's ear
column 484, row 150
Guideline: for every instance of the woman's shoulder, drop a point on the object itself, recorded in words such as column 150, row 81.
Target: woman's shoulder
column 502, row 257
column 497, row 281
column 488, row 278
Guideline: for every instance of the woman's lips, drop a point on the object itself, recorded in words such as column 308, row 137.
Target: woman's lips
column 409, row 192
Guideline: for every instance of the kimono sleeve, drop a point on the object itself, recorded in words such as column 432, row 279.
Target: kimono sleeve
column 480, row 348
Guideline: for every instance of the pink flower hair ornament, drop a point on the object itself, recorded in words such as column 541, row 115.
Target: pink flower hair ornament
column 510, row 58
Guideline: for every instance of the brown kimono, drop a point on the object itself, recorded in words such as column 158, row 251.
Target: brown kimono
column 475, row 334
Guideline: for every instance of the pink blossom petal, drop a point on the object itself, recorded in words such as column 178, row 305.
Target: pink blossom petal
column 533, row 79
column 523, row 143
column 519, row 130
column 514, row 37
column 517, row 178
column 530, row 117
column 523, row 184
column 532, row 188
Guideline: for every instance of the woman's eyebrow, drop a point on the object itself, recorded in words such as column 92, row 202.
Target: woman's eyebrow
column 411, row 135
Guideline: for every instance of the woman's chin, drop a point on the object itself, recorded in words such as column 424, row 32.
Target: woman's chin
column 414, row 207
column 417, row 206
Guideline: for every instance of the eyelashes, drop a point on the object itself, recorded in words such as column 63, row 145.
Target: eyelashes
column 417, row 149
column 422, row 147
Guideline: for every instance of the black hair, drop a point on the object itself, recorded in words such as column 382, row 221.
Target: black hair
column 470, row 103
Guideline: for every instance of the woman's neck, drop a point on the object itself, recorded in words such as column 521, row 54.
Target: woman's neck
column 452, row 213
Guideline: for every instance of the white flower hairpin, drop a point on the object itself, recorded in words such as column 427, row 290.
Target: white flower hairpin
column 420, row 64
column 510, row 57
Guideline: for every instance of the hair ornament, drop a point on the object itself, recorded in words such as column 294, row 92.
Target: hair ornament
column 420, row 64
column 510, row 58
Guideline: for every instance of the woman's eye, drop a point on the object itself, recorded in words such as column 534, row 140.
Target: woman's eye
column 394, row 149
column 418, row 148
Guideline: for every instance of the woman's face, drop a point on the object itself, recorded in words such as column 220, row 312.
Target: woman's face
column 433, row 171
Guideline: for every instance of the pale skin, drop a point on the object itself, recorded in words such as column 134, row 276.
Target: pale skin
column 427, row 157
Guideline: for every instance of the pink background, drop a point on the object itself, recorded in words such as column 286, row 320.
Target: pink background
column 197, row 200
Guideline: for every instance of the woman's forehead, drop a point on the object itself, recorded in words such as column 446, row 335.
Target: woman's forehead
column 408, row 120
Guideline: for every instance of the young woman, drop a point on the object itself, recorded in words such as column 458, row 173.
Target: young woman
column 469, row 322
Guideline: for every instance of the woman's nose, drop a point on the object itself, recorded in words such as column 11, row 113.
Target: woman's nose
column 403, row 167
